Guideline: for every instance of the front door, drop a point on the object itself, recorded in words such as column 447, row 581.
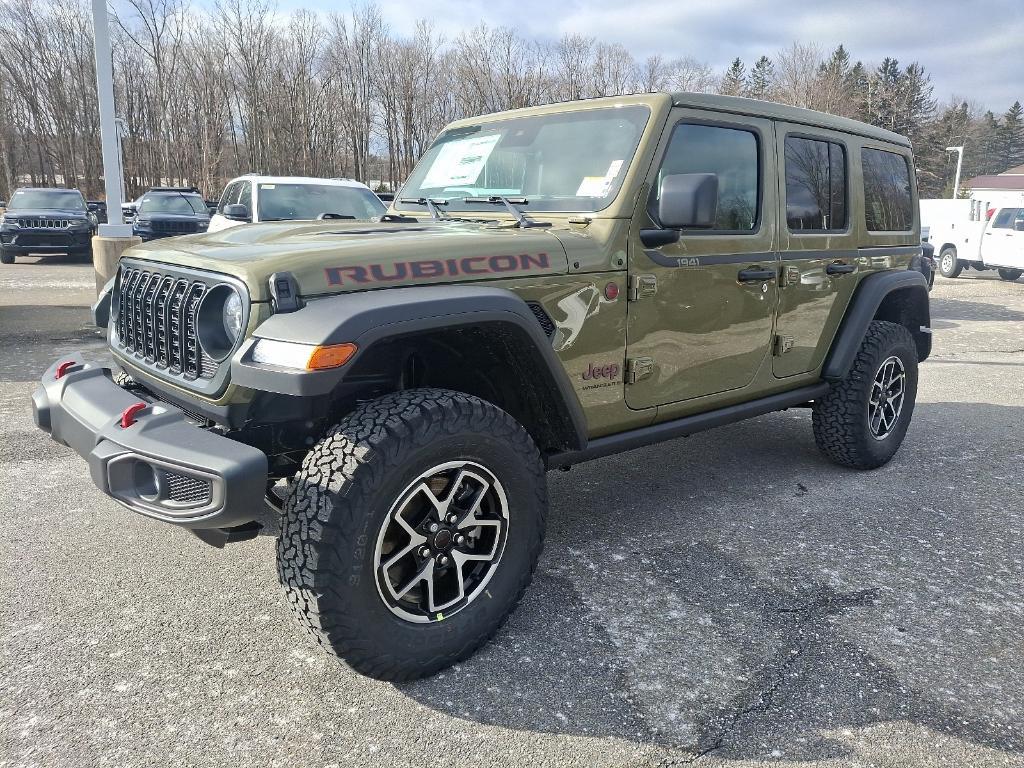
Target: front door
column 1003, row 245
column 818, row 244
column 701, row 309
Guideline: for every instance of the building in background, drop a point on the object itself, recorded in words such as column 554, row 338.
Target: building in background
column 1002, row 190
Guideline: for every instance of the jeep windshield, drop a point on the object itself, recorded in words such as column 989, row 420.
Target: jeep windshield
column 42, row 199
column 297, row 202
column 173, row 203
column 571, row 161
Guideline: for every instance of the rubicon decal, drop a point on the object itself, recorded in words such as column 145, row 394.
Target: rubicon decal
column 390, row 272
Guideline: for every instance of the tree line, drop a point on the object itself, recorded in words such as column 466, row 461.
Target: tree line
column 208, row 94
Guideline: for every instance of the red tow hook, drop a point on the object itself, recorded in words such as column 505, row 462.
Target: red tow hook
column 63, row 368
column 128, row 414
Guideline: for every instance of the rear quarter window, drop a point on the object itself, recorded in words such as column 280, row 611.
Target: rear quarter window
column 888, row 204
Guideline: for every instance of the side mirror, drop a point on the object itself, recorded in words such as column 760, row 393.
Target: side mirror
column 688, row 200
column 1017, row 225
column 237, row 212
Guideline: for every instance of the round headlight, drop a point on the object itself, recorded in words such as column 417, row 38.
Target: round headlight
column 233, row 316
column 220, row 320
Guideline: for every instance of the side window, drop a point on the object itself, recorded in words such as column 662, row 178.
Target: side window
column 1004, row 218
column 731, row 154
column 229, row 197
column 815, row 185
column 245, row 195
column 887, row 202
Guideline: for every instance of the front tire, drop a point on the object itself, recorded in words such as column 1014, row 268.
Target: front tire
column 6, row 258
column 863, row 419
column 1010, row 275
column 949, row 264
column 412, row 530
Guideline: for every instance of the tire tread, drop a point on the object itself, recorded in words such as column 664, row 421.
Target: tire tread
column 333, row 488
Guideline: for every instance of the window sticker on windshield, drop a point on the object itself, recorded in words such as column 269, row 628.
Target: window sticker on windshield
column 460, row 162
column 599, row 186
column 593, row 186
column 268, row 186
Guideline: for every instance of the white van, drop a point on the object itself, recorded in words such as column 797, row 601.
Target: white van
column 255, row 199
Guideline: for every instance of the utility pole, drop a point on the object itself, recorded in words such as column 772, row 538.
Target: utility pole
column 959, row 164
column 115, row 236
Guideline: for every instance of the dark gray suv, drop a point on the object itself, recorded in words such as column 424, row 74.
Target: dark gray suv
column 46, row 221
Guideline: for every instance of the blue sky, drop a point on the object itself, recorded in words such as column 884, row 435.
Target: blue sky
column 972, row 49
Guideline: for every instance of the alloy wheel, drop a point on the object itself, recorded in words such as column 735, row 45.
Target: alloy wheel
column 441, row 542
column 885, row 403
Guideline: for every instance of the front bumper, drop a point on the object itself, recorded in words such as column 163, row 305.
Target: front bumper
column 25, row 241
column 162, row 466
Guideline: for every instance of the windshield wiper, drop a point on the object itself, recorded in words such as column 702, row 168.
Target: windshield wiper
column 510, row 202
column 432, row 205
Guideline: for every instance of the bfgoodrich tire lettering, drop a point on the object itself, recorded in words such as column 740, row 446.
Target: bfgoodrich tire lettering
column 846, row 427
column 341, row 499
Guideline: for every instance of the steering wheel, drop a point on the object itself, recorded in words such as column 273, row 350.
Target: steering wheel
column 326, row 216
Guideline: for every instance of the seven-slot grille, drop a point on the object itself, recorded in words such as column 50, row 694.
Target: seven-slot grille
column 157, row 322
column 45, row 223
column 175, row 227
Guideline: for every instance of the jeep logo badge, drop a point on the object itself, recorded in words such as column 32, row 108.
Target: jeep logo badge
column 606, row 371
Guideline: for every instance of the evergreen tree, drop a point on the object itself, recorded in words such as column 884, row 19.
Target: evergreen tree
column 761, row 83
column 834, row 84
column 984, row 146
column 734, row 80
column 859, row 84
column 1010, row 137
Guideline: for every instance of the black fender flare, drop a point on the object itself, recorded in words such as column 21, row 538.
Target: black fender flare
column 101, row 309
column 864, row 306
column 368, row 317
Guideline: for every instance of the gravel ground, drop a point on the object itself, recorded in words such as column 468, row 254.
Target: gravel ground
column 729, row 599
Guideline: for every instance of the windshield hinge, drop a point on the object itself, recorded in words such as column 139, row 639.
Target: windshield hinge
column 639, row 368
column 642, row 286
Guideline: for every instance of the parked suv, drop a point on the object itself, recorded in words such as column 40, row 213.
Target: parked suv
column 46, row 221
column 553, row 285
column 255, row 199
column 170, row 211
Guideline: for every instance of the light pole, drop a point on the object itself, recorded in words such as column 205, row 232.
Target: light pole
column 959, row 164
column 122, row 131
column 115, row 236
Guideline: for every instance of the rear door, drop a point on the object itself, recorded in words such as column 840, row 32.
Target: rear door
column 818, row 243
column 701, row 309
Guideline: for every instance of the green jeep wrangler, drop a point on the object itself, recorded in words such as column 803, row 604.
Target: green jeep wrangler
column 552, row 285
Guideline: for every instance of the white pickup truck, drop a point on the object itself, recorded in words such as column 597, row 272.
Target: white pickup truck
column 967, row 236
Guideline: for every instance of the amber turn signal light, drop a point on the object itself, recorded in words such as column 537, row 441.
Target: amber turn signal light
column 330, row 356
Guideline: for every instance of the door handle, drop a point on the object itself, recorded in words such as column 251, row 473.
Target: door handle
column 755, row 275
column 840, row 269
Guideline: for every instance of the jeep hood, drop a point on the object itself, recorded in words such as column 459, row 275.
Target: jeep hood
column 332, row 257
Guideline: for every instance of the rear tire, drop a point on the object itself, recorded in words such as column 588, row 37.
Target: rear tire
column 6, row 258
column 863, row 419
column 356, row 536
column 949, row 265
column 1011, row 275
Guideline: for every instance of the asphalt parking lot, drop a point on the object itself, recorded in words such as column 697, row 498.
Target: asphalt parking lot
column 729, row 599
